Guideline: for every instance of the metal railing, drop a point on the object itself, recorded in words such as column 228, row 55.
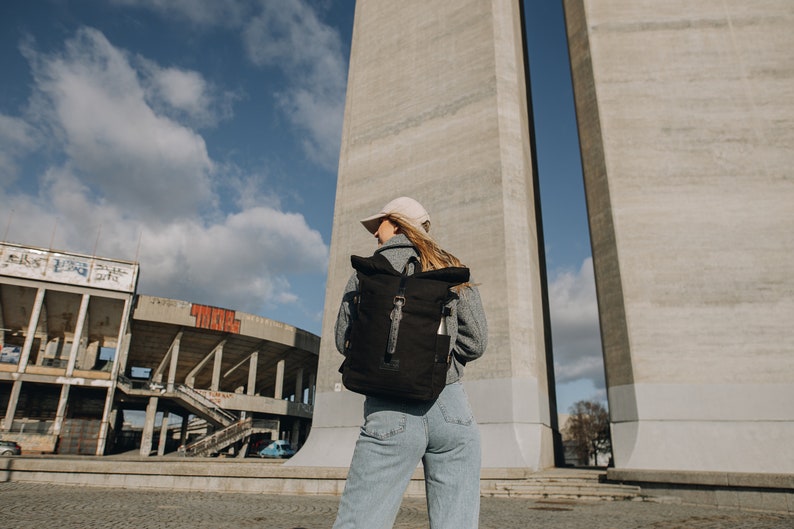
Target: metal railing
column 220, row 439
column 188, row 393
column 205, row 406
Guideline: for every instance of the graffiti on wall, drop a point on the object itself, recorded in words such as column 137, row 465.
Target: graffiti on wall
column 215, row 319
column 72, row 269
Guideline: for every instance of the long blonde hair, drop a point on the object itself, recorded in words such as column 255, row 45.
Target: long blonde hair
column 431, row 255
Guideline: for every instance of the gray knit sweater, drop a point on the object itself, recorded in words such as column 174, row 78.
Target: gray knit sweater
column 466, row 324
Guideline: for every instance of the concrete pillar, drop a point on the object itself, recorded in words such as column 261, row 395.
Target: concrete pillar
column 295, row 434
column 437, row 110
column 299, row 386
column 163, row 434
column 686, row 126
column 148, row 427
column 216, row 369
column 183, row 430
column 252, row 366
column 78, row 335
column 174, row 362
column 33, row 323
column 279, row 391
column 120, row 359
column 11, row 409
column 119, row 362
column 312, row 388
column 61, row 411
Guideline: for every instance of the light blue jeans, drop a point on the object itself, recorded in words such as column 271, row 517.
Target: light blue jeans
column 397, row 435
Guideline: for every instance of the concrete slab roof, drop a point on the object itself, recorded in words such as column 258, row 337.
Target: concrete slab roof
column 156, row 322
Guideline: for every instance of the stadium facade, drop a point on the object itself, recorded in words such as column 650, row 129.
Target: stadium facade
column 88, row 366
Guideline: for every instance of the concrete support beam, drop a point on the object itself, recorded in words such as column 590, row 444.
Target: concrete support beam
column 252, row 366
column 119, row 361
column 190, row 379
column 174, row 362
column 11, row 409
column 312, row 388
column 216, row 368
column 148, row 427
column 295, row 434
column 78, row 334
column 279, row 391
column 60, row 413
column 183, row 430
column 163, row 434
column 299, row 386
column 33, row 323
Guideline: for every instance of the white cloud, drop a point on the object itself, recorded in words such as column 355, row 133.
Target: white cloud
column 121, row 172
column 117, row 141
column 16, row 139
column 242, row 262
column 574, row 320
column 184, row 94
column 182, row 89
column 199, row 12
column 289, row 35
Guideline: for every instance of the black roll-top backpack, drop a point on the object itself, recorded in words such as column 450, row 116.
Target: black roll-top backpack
column 398, row 347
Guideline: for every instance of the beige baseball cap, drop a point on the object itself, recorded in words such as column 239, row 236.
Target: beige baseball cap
column 406, row 207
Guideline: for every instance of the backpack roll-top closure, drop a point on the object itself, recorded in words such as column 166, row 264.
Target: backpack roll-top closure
column 379, row 264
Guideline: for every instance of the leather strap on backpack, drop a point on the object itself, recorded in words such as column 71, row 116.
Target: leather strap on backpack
column 397, row 312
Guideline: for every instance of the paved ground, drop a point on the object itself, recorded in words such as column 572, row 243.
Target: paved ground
column 38, row 505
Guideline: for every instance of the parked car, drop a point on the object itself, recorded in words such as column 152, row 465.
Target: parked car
column 10, row 448
column 277, row 449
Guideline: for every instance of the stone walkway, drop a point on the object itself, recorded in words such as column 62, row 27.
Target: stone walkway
column 38, row 505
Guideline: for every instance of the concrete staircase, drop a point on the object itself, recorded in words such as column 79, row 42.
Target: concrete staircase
column 187, row 397
column 215, row 442
column 568, row 484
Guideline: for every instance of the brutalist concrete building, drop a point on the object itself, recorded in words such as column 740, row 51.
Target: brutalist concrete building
column 89, row 367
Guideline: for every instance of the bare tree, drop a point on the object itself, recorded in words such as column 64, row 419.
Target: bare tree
column 588, row 429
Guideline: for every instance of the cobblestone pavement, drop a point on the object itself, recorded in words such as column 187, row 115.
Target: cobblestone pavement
column 38, row 505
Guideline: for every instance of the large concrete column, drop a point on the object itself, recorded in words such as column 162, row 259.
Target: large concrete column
column 299, row 386
column 60, row 412
column 686, row 121
column 11, row 409
column 312, row 388
column 148, row 427
column 278, row 392
column 78, row 335
column 33, row 323
column 122, row 348
column 250, row 388
column 216, row 368
column 174, row 362
column 163, row 434
column 436, row 109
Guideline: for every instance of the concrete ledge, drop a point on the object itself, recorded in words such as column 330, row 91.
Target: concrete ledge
column 219, row 475
column 251, row 476
column 765, row 492
column 719, row 479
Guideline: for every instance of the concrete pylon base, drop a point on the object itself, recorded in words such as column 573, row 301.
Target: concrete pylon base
column 514, row 432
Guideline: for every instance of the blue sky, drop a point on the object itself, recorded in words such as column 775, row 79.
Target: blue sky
column 201, row 138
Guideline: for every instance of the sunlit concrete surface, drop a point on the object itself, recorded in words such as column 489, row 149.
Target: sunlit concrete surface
column 686, row 121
